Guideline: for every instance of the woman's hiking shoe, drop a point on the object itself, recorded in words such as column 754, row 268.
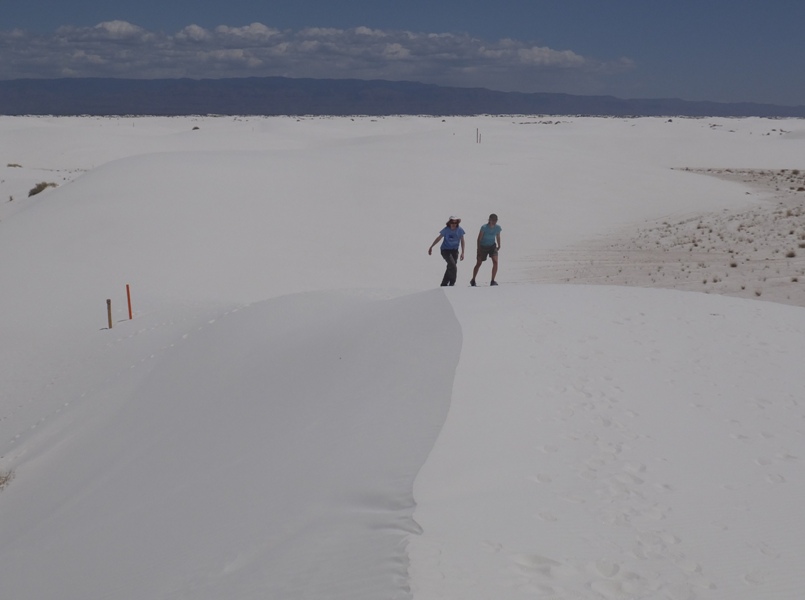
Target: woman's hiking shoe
column 493, row 283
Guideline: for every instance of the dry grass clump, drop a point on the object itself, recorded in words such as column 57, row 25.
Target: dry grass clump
column 40, row 187
column 5, row 478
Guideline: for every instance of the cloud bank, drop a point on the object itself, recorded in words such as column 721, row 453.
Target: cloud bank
column 121, row 49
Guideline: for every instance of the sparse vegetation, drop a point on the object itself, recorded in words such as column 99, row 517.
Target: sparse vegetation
column 40, row 187
column 14, row 166
column 5, row 478
column 693, row 251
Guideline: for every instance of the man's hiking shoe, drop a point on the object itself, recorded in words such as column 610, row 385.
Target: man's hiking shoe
column 493, row 283
column 472, row 282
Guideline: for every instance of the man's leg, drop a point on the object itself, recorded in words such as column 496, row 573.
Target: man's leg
column 478, row 264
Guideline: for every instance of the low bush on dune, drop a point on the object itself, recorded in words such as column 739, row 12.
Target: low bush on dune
column 5, row 478
column 40, row 187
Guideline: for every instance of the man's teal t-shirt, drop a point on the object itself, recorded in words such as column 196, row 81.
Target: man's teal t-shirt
column 489, row 234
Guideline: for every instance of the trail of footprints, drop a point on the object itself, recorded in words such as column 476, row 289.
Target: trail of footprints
column 625, row 494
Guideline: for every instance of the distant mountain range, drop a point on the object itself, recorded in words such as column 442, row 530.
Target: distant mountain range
column 286, row 96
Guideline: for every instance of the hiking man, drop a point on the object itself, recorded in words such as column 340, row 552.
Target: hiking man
column 488, row 246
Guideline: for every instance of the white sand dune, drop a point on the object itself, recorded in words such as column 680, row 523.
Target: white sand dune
column 296, row 411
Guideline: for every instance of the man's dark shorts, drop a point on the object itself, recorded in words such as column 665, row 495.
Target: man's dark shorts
column 486, row 251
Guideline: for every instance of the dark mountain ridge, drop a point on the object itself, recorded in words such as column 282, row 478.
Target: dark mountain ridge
column 287, row 96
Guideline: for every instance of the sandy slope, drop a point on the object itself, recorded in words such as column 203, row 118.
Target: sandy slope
column 652, row 447
column 192, row 472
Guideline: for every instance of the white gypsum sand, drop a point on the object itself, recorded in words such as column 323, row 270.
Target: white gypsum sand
column 297, row 411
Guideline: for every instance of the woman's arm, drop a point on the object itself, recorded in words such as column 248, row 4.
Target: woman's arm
column 436, row 241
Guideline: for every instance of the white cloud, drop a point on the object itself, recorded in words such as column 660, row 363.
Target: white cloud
column 550, row 58
column 194, row 33
column 370, row 32
column 121, row 49
column 81, row 56
column 255, row 31
column 120, row 29
column 396, row 51
column 319, row 32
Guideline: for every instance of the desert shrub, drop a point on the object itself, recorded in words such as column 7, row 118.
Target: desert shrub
column 40, row 187
column 790, row 254
column 14, row 166
column 5, row 478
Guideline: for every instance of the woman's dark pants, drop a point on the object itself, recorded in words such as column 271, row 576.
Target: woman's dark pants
column 451, row 258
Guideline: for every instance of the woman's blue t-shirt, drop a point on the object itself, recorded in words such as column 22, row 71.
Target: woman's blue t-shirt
column 452, row 238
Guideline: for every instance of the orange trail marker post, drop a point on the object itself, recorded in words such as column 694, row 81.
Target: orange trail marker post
column 109, row 312
column 128, row 297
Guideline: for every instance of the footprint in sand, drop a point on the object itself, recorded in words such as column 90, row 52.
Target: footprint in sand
column 492, row 546
column 534, row 563
column 634, row 468
column 606, row 568
column 755, row 577
column 628, row 478
column 689, row 565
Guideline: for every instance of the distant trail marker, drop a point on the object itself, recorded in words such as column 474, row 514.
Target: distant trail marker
column 109, row 312
column 128, row 297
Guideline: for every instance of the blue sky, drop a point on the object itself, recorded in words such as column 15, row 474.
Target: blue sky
column 720, row 50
